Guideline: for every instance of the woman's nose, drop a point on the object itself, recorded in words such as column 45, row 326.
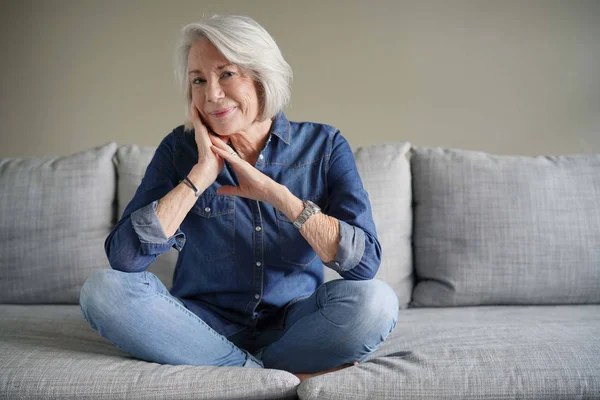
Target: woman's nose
column 213, row 91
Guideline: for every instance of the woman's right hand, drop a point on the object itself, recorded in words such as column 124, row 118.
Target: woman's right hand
column 209, row 164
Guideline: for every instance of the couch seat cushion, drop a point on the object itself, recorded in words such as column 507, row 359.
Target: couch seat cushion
column 50, row 352
column 492, row 352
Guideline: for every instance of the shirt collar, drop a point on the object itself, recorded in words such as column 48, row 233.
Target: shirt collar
column 281, row 127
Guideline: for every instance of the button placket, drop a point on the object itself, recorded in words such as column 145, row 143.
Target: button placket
column 258, row 254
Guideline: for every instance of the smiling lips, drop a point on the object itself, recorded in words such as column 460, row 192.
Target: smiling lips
column 223, row 112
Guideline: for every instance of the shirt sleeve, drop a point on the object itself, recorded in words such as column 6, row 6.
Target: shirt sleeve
column 138, row 238
column 359, row 252
column 153, row 239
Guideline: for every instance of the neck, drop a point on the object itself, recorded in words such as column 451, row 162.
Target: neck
column 250, row 143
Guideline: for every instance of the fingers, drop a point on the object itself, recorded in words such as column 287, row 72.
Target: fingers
column 228, row 190
column 217, row 140
column 226, row 152
column 200, row 130
column 195, row 118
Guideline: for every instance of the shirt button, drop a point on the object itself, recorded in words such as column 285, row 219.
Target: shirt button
column 258, row 263
column 258, row 229
column 207, row 209
column 261, row 156
column 257, row 296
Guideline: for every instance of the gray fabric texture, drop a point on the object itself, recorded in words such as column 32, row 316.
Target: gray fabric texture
column 55, row 213
column 51, row 352
column 492, row 229
column 487, row 352
column 132, row 161
column 385, row 172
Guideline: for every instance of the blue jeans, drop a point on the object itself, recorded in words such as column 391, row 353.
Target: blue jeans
column 341, row 322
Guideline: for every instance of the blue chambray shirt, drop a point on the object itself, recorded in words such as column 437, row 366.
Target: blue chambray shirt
column 241, row 262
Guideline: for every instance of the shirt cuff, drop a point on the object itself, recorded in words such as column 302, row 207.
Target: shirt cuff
column 152, row 238
column 350, row 249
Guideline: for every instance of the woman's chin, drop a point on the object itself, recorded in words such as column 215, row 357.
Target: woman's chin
column 222, row 132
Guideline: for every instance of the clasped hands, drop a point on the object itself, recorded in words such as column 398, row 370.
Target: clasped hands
column 212, row 151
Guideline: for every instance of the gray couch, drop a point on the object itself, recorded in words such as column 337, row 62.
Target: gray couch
column 495, row 261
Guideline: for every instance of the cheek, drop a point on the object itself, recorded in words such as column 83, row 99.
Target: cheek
column 197, row 97
column 250, row 101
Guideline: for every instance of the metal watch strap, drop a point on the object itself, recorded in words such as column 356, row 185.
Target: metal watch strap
column 310, row 209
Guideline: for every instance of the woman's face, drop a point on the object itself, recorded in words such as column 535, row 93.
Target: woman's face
column 225, row 97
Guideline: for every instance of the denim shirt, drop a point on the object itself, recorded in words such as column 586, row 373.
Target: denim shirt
column 241, row 262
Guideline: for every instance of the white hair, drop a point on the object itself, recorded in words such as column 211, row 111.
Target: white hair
column 245, row 43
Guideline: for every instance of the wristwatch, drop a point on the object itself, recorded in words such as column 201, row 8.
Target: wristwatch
column 310, row 209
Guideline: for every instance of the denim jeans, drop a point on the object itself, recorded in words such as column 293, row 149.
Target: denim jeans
column 341, row 322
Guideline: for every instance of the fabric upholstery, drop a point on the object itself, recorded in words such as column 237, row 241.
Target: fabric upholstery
column 385, row 172
column 492, row 229
column 51, row 352
column 485, row 352
column 55, row 213
column 132, row 161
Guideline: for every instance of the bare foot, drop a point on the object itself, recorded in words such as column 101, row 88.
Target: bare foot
column 302, row 377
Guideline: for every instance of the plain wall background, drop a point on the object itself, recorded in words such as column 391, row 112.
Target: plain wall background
column 505, row 76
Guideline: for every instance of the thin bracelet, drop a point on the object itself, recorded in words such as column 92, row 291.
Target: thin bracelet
column 187, row 181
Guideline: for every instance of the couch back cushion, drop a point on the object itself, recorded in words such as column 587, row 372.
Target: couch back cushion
column 55, row 213
column 132, row 161
column 492, row 229
column 385, row 172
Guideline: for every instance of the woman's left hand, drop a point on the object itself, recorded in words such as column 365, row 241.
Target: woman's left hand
column 253, row 184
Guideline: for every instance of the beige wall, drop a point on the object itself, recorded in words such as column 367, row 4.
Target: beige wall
column 508, row 77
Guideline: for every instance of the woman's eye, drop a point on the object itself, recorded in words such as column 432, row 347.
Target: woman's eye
column 227, row 74
column 198, row 81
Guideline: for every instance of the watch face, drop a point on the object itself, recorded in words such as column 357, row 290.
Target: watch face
column 313, row 205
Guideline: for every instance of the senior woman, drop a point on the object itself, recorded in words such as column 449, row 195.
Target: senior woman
column 256, row 205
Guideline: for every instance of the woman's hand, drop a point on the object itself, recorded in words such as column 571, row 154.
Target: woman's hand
column 209, row 164
column 321, row 231
column 253, row 184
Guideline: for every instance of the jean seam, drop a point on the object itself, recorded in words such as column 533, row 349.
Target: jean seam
column 203, row 323
column 321, row 308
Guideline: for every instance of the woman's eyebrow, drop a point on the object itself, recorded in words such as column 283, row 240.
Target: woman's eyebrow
column 219, row 67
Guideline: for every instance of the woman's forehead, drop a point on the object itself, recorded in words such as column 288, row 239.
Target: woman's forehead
column 203, row 54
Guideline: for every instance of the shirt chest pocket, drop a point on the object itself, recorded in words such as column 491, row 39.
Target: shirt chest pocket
column 294, row 248
column 214, row 225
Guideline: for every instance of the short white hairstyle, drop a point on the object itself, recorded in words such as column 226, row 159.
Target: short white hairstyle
column 245, row 43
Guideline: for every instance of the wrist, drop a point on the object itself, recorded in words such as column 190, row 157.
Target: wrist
column 197, row 176
column 287, row 203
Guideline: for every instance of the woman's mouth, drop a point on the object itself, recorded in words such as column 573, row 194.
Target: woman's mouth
column 222, row 113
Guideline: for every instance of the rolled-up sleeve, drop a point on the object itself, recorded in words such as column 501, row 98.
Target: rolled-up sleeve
column 359, row 252
column 138, row 238
column 351, row 248
column 153, row 239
